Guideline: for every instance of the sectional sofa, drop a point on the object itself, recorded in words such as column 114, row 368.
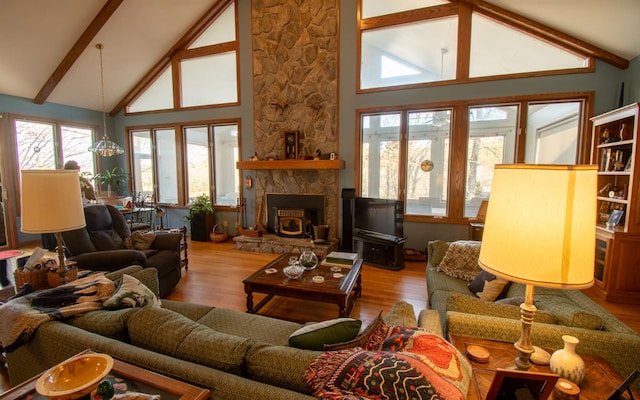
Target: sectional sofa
column 234, row 354
column 560, row 312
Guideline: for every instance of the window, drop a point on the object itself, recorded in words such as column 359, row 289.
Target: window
column 209, row 150
column 442, row 173
column 416, row 43
column 206, row 70
column 49, row 144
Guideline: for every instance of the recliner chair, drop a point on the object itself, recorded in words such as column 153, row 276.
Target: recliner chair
column 100, row 246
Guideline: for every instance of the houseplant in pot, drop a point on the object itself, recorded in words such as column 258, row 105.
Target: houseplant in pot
column 201, row 218
column 113, row 179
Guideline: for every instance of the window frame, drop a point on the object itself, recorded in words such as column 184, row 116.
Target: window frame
column 181, row 157
column 464, row 12
column 181, row 52
column 459, row 140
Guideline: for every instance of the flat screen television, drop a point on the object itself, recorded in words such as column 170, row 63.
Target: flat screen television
column 382, row 216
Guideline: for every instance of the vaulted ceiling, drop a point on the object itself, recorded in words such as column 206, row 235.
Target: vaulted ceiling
column 37, row 38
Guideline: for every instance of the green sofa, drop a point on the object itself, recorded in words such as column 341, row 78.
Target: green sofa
column 234, row 354
column 560, row 312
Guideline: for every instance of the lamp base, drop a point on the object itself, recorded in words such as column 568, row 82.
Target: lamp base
column 523, row 346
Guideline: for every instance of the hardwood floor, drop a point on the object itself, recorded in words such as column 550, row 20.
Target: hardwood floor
column 216, row 271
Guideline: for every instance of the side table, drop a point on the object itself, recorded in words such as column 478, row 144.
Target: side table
column 138, row 379
column 599, row 383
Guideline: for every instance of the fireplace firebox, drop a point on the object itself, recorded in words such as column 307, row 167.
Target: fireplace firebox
column 294, row 215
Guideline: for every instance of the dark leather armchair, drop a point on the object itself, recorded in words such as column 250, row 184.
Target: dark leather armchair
column 100, row 246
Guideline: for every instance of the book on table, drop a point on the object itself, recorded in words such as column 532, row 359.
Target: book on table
column 330, row 264
column 341, row 257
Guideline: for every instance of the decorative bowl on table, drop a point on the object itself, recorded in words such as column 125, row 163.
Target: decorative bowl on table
column 75, row 377
column 308, row 260
column 293, row 271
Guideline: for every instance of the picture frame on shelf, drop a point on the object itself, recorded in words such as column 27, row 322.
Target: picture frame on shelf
column 515, row 384
column 291, row 145
column 615, row 217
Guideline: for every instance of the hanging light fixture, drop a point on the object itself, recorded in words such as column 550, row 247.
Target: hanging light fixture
column 104, row 147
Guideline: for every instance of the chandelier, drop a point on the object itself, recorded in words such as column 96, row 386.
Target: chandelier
column 104, row 147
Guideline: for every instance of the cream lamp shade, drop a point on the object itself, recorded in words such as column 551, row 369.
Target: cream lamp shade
column 540, row 225
column 51, row 201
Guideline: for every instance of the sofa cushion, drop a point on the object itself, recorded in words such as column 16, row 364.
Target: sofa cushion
column 314, row 336
column 131, row 293
column 172, row 334
column 461, row 260
column 489, row 287
column 280, row 366
column 401, row 314
column 473, row 305
column 361, row 339
column 108, row 323
column 436, row 249
column 260, row 328
column 568, row 313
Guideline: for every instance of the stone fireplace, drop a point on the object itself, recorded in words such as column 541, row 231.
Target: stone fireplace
column 295, row 88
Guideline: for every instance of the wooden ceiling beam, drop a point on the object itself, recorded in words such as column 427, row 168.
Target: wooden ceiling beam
column 78, row 48
column 195, row 31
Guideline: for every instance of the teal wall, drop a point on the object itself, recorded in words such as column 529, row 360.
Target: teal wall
column 605, row 82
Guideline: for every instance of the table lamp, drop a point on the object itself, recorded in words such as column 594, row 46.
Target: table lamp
column 540, row 231
column 51, row 201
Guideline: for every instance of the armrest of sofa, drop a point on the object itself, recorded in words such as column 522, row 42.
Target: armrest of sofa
column 110, row 260
column 430, row 320
column 167, row 241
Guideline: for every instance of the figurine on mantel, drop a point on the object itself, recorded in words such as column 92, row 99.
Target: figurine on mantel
column 255, row 157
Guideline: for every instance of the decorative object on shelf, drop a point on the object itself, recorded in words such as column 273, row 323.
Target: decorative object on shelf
column 566, row 362
column 308, row 260
column 291, row 145
column 320, row 234
column 532, row 243
column 608, row 137
column 540, row 356
column 255, row 157
column 625, row 133
column 614, row 218
column 104, row 147
column 426, row 165
column 46, row 211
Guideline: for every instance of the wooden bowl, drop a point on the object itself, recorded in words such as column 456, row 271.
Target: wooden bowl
column 75, row 377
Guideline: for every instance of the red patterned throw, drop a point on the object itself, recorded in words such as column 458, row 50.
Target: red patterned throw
column 396, row 363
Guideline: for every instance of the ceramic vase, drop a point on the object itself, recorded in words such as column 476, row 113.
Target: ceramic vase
column 566, row 362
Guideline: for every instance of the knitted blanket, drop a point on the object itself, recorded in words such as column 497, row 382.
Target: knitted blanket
column 20, row 317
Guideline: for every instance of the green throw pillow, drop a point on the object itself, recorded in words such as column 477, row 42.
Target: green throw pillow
column 315, row 336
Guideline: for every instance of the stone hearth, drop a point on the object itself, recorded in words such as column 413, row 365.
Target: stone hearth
column 277, row 245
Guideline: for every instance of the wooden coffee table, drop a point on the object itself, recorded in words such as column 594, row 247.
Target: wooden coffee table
column 599, row 382
column 136, row 378
column 341, row 291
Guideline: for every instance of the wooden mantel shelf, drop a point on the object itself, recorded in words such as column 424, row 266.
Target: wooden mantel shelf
column 290, row 164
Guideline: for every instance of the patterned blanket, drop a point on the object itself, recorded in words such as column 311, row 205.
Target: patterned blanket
column 21, row 316
column 396, row 363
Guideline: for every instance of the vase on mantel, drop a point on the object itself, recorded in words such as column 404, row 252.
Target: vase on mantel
column 566, row 362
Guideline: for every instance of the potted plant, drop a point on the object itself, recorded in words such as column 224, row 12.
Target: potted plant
column 114, row 178
column 201, row 218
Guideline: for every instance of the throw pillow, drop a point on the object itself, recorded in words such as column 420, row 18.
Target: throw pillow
column 461, row 260
column 514, row 301
column 140, row 240
column 361, row 339
column 315, row 336
column 436, row 249
column 489, row 287
column 131, row 293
